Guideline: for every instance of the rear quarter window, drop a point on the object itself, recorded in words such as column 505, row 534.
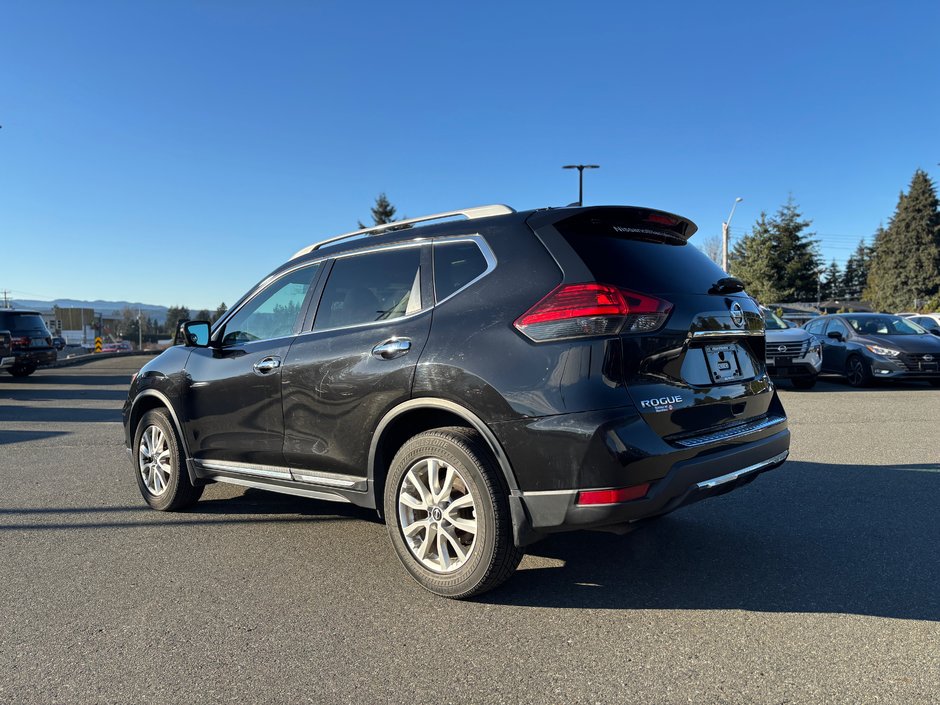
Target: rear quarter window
column 456, row 264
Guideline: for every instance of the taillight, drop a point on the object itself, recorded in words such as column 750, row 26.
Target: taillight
column 20, row 342
column 622, row 494
column 583, row 310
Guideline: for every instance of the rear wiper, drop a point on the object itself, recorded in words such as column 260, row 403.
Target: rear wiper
column 727, row 285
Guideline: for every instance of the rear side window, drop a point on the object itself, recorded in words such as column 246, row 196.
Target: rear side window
column 641, row 259
column 378, row 286
column 456, row 264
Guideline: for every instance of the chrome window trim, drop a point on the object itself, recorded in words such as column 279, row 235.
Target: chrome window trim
column 485, row 250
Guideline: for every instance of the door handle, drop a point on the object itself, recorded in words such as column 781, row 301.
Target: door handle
column 266, row 365
column 390, row 349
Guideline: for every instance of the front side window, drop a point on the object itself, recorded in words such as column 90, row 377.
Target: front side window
column 378, row 286
column 274, row 312
column 839, row 327
column 816, row 326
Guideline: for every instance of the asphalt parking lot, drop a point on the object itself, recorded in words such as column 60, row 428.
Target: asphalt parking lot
column 817, row 583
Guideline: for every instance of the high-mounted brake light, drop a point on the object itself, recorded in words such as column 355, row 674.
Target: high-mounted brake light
column 661, row 219
column 622, row 494
column 583, row 310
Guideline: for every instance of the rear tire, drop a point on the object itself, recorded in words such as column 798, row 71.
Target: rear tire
column 857, row 371
column 159, row 461
column 804, row 382
column 447, row 512
column 25, row 371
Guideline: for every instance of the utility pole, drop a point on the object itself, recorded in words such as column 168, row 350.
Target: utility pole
column 581, row 168
column 140, row 332
column 6, row 298
column 725, row 235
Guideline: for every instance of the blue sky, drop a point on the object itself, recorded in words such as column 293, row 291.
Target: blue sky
column 174, row 153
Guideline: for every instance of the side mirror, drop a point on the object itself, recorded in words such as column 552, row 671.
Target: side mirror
column 834, row 334
column 195, row 334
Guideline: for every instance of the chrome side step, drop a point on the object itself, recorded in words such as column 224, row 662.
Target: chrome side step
column 297, row 491
column 275, row 472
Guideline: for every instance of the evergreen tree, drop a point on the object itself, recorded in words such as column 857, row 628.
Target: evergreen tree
column 382, row 212
column 905, row 267
column 830, row 285
column 219, row 312
column 751, row 261
column 778, row 262
column 856, row 270
column 173, row 315
column 202, row 315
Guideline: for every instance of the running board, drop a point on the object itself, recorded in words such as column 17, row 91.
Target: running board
column 326, row 480
column 297, row 491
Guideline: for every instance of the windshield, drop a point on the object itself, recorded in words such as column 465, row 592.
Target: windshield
column 773, row 322
column 884, row 325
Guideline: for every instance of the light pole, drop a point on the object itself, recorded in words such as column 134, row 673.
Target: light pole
column 725, row 229
column 581, row 168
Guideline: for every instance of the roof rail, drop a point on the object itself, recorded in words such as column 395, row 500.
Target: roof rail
column 468, row 213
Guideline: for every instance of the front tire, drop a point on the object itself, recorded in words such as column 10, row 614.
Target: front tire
column 22, row 371
column 857, row 371
column 160, row 463
column 447, row 512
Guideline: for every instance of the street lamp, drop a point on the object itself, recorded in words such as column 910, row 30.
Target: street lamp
column 725, row 229
column 581, row 168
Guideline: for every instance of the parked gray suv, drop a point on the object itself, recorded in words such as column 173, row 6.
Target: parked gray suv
column 792, row 352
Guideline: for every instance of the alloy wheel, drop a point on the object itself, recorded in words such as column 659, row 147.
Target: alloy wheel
column 153, row 457
column 856, row 372
column 437, row 515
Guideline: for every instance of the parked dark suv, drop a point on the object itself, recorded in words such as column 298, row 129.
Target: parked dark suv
column 31, row 341
column 481, row 382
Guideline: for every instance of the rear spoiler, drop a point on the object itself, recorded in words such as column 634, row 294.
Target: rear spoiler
column 622, row 221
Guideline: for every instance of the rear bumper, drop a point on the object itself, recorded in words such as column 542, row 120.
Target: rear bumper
column 553, row 458
column 686, row 482
column 34, row 358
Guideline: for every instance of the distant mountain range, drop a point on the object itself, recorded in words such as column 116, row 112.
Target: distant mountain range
column 105, row 307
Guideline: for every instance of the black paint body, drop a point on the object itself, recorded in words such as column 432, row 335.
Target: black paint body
column 558, row 416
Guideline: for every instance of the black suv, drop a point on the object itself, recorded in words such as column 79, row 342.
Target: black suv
column 31, row 341
column 480, row 382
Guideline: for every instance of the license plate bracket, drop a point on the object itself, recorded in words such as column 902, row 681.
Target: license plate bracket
column 723, row 364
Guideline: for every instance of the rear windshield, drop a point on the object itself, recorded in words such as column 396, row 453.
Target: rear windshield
column 668, row 266
column 22, row 323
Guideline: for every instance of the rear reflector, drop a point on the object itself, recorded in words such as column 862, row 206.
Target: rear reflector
column 623, row 494
column 582, row 310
